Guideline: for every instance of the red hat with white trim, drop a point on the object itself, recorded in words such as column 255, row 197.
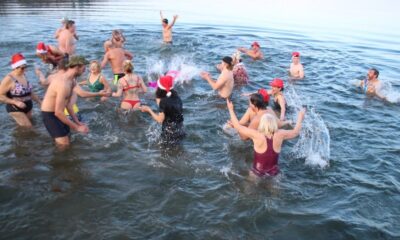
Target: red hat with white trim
column 166, row 83
column 41, row 48
column 17, row 60
column 277, row 82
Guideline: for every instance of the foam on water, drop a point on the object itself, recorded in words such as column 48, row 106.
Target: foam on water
column 314, row 140
column 389, row 93
column 184, row 65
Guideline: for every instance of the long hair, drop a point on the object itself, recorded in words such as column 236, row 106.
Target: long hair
column 268, row 124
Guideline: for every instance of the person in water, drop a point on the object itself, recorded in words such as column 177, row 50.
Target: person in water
column 96, row 81
column 66, row 39
column 258, row 106
column 225, row 81
column 371, row 85
column 64, row 22
column 167, row 28
column 255, row 52
column 296, row 70
column 117, row 40
column 279, row 103
column 116, row 55
column 16, row 91
column 267, row 141
column 60, row 95
column 240, row 76
column 170, row 110
column 130, row 86
column 50, row 54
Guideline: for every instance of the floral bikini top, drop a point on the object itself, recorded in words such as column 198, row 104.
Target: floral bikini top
column 19, row 89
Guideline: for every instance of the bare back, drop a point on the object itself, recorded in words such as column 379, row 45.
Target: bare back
column 66, row 42
column 58, row 86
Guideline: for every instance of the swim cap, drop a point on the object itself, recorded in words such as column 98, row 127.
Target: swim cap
column 41, row 48
column 227, row 60
column 277, row 82
column 17, row 60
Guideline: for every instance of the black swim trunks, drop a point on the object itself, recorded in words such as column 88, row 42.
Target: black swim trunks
column 13, row 108
column 117, row 76
column 54, row 126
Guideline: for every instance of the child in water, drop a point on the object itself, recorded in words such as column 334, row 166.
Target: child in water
column 170, row 110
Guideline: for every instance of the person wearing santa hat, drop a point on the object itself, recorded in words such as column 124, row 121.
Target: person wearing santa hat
column 16, row 92
column 170, row 113
column 225, row 81
column 296, row 70
column 255, row 52
column 49, row 54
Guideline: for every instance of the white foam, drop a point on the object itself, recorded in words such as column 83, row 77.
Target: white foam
column 314, row 141
column 389, row 93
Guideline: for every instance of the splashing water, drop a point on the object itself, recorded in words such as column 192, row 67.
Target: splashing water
column 389, row 93
column 314, row 140
column 186, row 68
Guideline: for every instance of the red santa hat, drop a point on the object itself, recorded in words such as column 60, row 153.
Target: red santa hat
column 17, row 60
column 41, row 48
column 166, row 83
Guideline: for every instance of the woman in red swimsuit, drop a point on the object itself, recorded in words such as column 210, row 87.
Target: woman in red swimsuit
column 267, row 141
column 130, row 86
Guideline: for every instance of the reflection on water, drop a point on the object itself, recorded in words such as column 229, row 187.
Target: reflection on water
column 118, row 182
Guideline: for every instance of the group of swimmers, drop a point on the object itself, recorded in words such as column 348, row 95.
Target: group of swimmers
column 262, row 124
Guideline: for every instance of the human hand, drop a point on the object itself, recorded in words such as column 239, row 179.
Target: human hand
column 204, row 75
column 20, row 104
column 82, row 128
column 175, row 16
column 104, row 93
column 230, row 124
column 229, row 104
column 144, row 108
column 37, row 71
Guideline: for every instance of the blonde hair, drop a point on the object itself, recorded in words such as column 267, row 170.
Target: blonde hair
column 128, row 66
column 268, row 124
column 98, row 66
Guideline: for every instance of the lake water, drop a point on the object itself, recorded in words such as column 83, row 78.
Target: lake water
column 340, row 179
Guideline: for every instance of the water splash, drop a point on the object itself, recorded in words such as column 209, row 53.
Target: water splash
column 184, row 65
column 389, row 93
column 314, row 140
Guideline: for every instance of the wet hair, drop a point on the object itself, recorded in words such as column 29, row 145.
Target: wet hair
column 228, row 61
column 69, row 24
column 376, row 72
column 165, row 20
column 128, row 66
column 160, row 93
column 257, row 100
column 268, row 124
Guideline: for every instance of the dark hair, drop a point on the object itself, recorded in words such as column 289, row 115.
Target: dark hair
column 165, row 20
column 62, row 64
column 228, row 60
column 376, row 72
column 69, row 24
column 257, row 100
column 160, row 93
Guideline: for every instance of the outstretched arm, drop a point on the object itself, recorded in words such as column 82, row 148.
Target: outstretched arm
column 214, row 84
column 162, row 17
column 289, row 134
column 245, row 131
column 157, row 117
column 173, row 21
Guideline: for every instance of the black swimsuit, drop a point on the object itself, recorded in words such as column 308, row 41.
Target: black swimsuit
column 22, row 93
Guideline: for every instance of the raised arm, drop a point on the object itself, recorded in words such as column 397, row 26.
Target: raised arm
column 289, row 134
column 173, row 21
column 245, row 131
column 162, row 17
